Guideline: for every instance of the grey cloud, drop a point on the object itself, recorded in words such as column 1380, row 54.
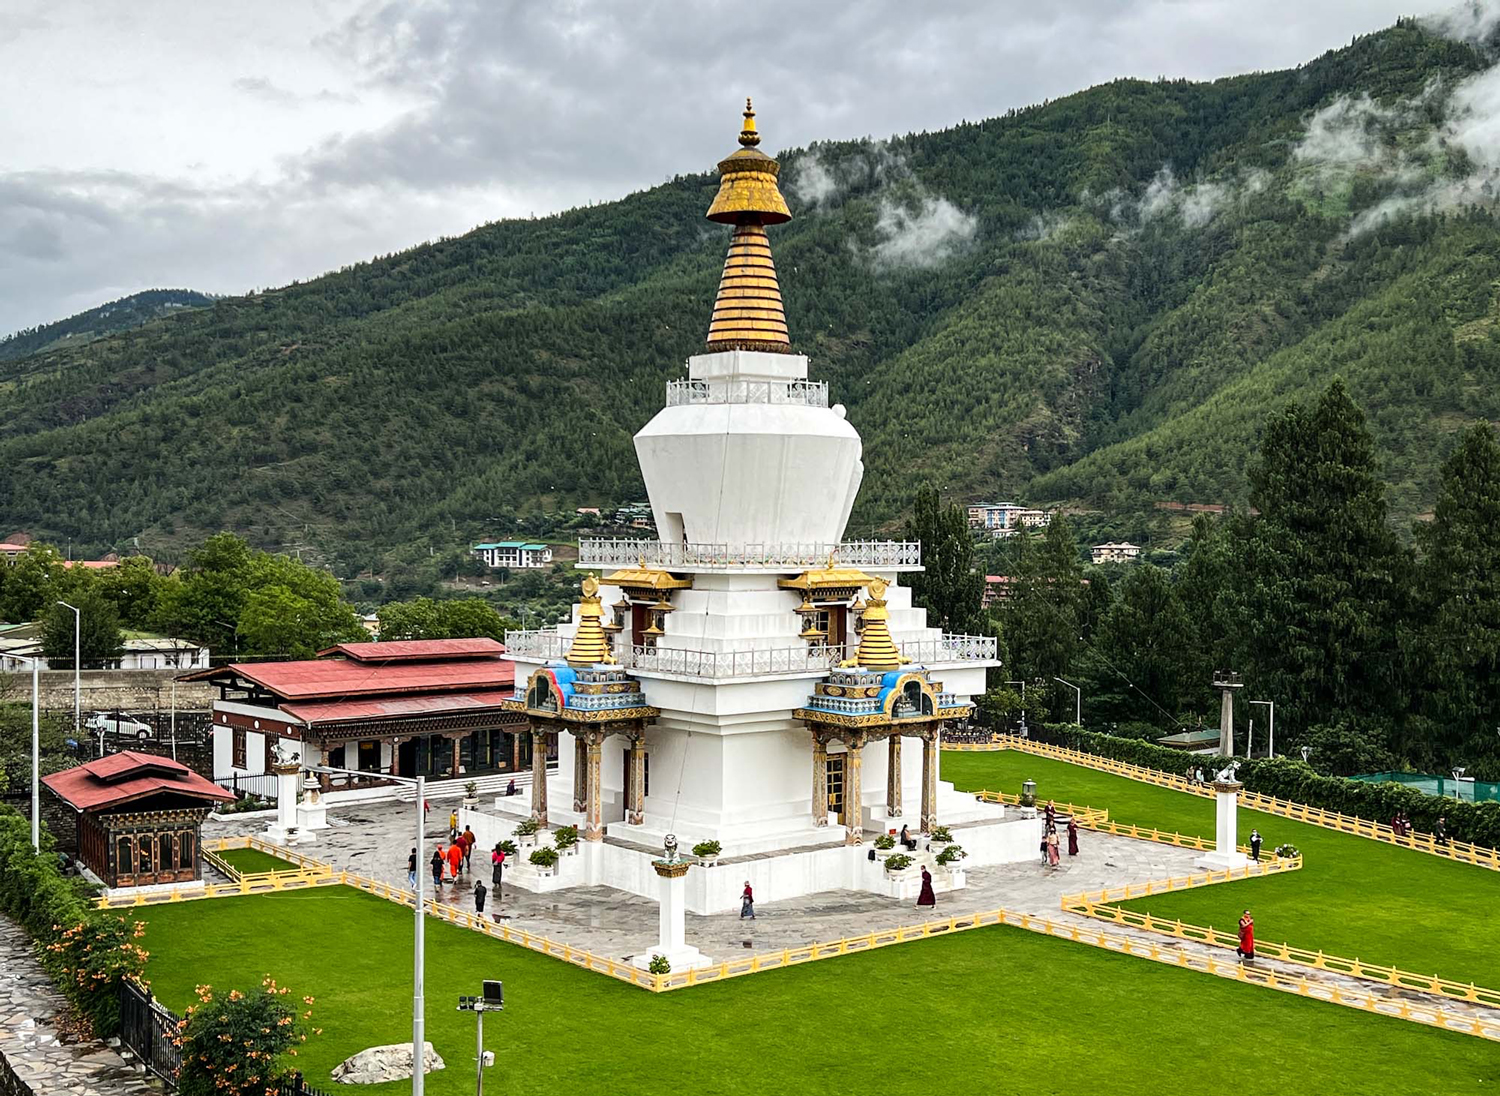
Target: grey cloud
column 262, row 88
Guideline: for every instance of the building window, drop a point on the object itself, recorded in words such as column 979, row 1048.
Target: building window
column 237, row 751
column 369, row 756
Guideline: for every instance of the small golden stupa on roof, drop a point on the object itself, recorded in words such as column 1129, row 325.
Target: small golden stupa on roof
column 748, row 314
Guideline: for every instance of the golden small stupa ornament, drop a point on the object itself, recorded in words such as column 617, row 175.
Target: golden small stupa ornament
column 877, row 651
column 590, row 645
column 748, row 313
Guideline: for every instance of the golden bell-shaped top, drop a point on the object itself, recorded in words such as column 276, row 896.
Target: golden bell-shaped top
column 748, row 313
column 590, row 643
column 877, row 651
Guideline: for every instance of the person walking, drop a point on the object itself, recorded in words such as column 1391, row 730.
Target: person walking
column 1255, row 840
column 926, row 897
column 437, row 868
column 497, row 870
column 479, row 893
column 455, row 858
column 1043, row 847
column 411, row 869
column 1246, row 947
column 453, row 826
column 1052, row 855
column 1440, row 831
column 747, row 902
column 1051, row 813
column 468, row 838
column 1072, row 837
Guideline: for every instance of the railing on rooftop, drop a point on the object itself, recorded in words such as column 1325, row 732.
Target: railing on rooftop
column 901, row 555
column 951, row 648
column 539, row 643
column 804, row 393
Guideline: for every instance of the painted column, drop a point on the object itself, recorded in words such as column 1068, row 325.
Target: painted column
column 396, row 756
column 593, row 798
column 539, row 775
column 820, row 780
column 893, row 778
column 284, row 830
column 635, row 793
column 580, row 767
column 1226, row 852
column 455, row 742
column 854, row 810
column 671, row 942
column 929, row 779
column 1226, row 723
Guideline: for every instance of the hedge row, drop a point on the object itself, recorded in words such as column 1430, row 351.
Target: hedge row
column 1295, row 780
column 84, row 950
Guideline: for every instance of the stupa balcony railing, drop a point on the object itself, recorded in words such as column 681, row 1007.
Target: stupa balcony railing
column 539, row 643
column 881, row 555
column 718, row 665
column 800, row 393
column 950, row 648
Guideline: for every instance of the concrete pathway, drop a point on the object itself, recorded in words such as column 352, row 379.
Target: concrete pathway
column 31, row 1042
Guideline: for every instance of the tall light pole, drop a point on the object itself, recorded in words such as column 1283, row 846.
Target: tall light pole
column 1023, row 702
column 1271, row 704
column 36, row 749
column 1078, row 705
column 77, row 668
column 418, row 1005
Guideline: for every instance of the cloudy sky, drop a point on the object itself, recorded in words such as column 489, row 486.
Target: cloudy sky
column 230, row 146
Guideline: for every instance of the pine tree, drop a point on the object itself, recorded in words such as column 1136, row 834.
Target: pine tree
column 1041, row 615
column 1141, row 660
column 948, row 586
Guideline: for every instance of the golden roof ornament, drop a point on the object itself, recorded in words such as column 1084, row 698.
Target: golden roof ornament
column 748, row 313
column 590, row 645
column 877, row 651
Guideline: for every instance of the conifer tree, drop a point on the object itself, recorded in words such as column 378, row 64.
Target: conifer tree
column 948, row 586
column 1041, row 615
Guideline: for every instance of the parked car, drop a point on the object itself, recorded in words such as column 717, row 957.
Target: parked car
column 120, row 726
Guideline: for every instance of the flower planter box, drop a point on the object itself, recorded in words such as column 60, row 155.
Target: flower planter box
column 526, row 841
column 571, row 850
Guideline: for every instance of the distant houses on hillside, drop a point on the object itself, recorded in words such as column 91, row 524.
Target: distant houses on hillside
column 515, row 554
column 1006, row 519
column 138, row 651
column 1113, row 552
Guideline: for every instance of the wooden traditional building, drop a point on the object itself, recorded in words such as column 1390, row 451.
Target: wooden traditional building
column 403, row 708
column 138, row 817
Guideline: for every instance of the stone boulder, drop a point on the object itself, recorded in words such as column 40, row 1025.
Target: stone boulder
column 387, row 1063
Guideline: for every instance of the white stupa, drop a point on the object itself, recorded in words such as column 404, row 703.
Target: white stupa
column 714, row 684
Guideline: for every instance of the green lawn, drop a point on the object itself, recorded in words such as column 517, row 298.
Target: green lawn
column 1353, row 897
column 249, row 861
column 991, row 1009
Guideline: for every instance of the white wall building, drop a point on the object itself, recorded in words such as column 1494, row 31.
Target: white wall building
column 1006, row 519
column 513, row 553
column 1112, row 552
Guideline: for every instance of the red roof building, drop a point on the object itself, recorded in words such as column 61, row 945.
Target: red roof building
column 138, row 817
column 401, row 708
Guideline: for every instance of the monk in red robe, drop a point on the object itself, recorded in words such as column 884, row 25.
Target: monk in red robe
column 455, row 857
column 927, row 897
column 1246, row 948
column 1072, row 837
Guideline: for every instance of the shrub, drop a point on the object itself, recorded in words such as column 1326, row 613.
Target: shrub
column 885, row 841
column 707, row 850
column 233, row 1046
column 899, row 862
column 565, row 837
column 941, row 833
column 544, row 857
column 509, row 848
column 1288, row 851
column 659, row 965
column 951, row 855
column 471, row 789
column 526, row 827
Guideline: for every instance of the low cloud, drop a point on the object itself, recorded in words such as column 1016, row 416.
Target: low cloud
column 1474, row 21
column 1166, row 197
column 920, row 235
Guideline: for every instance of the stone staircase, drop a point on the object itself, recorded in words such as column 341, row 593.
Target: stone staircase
column 489, row 785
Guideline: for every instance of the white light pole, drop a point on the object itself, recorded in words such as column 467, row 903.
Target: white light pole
column 1078, row 704
column 1023, row 699
column 77, row 667
column 1271, row 749
column 36, row 749
column 418, row 1006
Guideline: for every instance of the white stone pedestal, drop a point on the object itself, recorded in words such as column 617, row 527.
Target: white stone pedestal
column 671, row 925
column 312, row 814
column 1226, row 852
column 284, row 830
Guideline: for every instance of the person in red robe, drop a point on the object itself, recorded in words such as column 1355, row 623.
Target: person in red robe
column 927, row 897
column 455, row 857
column 1072, row 837
column 1246, row 948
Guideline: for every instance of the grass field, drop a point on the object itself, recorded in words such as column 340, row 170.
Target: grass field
column 1353, row 897
column 990, row 1009
column 249, row 861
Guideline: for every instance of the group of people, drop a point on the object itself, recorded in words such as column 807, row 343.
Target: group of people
column 1050, row 847
column 456, row 858
column 1401, row 827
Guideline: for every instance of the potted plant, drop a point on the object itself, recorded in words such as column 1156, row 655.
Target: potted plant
column 951, row 855
column 883, row 846
column 708, row 852
column 471, row 794
column 659, row 965
column 897, row 863
column 1288, row 852
column 545, row 859
column 509, row 848
column 525, row 832
column 940, row 839
column 566, row 840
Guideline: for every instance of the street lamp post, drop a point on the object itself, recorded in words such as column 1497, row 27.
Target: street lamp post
column 1078, row 700
column 492, row 1001
column 1023, row 703
column 36, row 749
column 418, row 1006
column 1271, row 748
column 77, row 667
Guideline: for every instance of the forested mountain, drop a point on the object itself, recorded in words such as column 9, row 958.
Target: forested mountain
column 1099, row 300
column 120, row 315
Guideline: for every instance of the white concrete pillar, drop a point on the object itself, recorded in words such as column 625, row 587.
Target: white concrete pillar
column 1226, row 852
column 311, row 812
column 671, row 934
column 284, row 830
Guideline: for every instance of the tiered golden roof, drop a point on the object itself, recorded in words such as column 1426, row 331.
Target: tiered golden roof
column 748, row 314
column 877, row 651
column 590, row 644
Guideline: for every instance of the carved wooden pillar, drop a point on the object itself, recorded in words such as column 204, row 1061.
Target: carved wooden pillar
column 854, row 812
column 635, row 790
column 539, row 774
column 396, row 756
column 819, row 779
column 929, row 779
column 580, row 763
column 593, row 795
column 456, row 754
column 515, row 748
column 893, row 778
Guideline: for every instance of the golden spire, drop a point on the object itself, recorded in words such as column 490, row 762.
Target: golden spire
column 877, row 651
column 748, row 314
column 590, row 644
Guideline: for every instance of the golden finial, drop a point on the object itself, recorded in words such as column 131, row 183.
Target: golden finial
column 748, row 137
column 877, row 651
column 877, row 590
column 590, row 586
column 590, row 643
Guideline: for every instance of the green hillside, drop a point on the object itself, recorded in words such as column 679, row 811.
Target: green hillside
column 96, row 323
column 1098, row 299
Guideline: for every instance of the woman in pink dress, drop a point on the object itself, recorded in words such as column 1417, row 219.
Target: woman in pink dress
column 1052, row 856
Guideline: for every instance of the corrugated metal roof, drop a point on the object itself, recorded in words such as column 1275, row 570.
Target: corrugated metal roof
column 341, row 677
column 417, row 650
column 343, row 711
column 127, row 776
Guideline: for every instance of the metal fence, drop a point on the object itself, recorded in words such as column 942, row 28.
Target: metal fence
column 1469, row 790
column 259, row 785
column 148, row 1029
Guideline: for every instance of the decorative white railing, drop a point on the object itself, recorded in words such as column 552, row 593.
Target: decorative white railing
column 900, row 555
column 722, row 664
column 804, row 393
column 951, row 648
column 846, row 705
column 542, row 643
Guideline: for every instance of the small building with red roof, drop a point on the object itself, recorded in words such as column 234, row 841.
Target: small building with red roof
column 429, row 707
column 138, row 817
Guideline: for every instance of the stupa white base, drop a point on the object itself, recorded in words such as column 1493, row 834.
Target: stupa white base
column 1221, row 861
column 686, row 957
